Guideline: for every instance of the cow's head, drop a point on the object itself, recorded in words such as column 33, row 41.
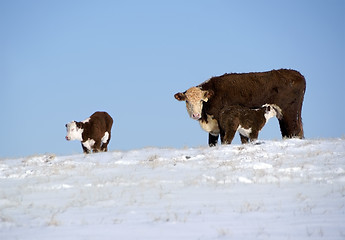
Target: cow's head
column 74, row 131
column 194, row 98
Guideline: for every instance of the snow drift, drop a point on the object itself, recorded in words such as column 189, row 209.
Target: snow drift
column 289, row 189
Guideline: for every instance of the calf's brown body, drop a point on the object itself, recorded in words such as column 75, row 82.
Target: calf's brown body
column 248, row 122
column 94, row 132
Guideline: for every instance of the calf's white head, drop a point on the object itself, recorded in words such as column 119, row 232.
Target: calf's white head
column 272, row 110
column 194, row 98
column 74, row 131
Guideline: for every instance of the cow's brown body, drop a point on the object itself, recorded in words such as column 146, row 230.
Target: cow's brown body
column 284, row 88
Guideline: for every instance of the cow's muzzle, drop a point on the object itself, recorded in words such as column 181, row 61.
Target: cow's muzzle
column 196, row 116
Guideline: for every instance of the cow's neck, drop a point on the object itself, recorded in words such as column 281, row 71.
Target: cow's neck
column 209, row 124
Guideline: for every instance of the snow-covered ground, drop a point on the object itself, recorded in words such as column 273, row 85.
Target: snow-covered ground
column 287, row 189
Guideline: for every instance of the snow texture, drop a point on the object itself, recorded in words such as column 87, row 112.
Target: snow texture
column 288, row 189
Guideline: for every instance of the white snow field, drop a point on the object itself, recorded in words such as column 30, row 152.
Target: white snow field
column 287, row 189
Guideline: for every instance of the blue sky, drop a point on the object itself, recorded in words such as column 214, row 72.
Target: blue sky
column 63, row 60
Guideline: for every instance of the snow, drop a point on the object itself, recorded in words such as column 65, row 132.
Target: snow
column 287, row 189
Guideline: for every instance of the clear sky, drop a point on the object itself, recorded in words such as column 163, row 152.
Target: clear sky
column 63, row 60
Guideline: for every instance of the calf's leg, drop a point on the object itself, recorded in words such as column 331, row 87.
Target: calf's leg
column 244, row 139
column 228, row 136
column 85, row 149
column 97, row 146
column 254, row 135
column 104, row 146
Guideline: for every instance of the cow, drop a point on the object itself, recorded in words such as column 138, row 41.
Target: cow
column 94, row 132
column 285, row 88
column 248, row 122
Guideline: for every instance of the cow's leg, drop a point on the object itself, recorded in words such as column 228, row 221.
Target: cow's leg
column 291, row 124
column 85, row 149
column 291, row 120
column 212, row 140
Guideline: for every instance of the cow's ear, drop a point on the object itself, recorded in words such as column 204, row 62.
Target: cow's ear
column 208, row 94
column 180, row 96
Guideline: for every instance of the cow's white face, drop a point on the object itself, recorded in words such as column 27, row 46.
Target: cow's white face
column 194, row 98
column 73, row 132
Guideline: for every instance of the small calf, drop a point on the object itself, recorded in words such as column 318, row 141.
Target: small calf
column 94, row 132
column 248, row 122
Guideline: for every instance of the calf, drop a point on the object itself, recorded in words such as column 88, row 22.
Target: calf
column 248, row 122
column 94, row 132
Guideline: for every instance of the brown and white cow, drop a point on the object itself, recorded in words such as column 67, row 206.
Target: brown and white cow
column 248, row 122
column 94, row 132
column 284, row 88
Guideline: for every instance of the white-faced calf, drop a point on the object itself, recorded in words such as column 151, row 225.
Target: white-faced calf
column 94, row 132
column 248, row 122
